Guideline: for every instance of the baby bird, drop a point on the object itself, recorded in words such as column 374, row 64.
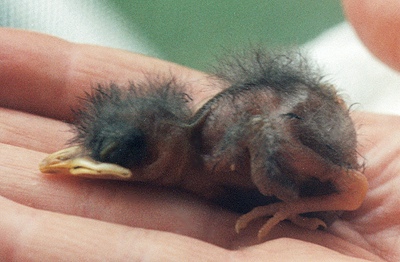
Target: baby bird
column 276, row 141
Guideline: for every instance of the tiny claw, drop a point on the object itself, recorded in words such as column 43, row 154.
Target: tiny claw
column 261, row 211
column 273, row 221
column 278, row 212
column 240, row 225
column 311, row 223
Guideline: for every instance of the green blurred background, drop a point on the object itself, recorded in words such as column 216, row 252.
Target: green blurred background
column 188, row 32
column 193, row 32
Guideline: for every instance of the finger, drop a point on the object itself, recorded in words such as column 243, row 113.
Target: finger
column 138, row 206
column 34, row 235
column 32, row 132
column 44, row 74
column 377, row 23
column 112, row 201
column 122, row 203
column 129, row 204
column 46, row 135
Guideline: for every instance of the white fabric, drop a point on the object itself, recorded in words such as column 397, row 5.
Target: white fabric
column 81, row 21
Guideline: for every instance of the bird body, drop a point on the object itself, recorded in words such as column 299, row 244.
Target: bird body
column 276, row 140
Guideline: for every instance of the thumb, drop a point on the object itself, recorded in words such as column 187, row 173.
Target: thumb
column 377, row 23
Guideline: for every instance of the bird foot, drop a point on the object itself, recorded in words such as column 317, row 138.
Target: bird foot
column 352, row 189
column 278, row 212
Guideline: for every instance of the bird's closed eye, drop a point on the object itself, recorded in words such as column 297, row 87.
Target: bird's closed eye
column 127, row 151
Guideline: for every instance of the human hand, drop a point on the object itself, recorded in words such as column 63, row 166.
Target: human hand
column 73, row 219
column 377, row 23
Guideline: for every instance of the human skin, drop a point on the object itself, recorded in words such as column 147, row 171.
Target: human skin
column 377, row 24
column 48, row 218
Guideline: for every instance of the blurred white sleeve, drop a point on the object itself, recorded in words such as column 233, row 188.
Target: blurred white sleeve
column 80, row 21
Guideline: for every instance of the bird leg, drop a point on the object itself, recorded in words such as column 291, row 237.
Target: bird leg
column 352, row 188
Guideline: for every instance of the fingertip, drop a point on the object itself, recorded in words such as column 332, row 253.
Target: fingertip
column 377, row 23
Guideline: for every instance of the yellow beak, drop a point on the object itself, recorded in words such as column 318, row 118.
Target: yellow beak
column 70, row 161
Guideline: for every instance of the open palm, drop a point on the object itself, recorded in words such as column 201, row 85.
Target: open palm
column 55, row 218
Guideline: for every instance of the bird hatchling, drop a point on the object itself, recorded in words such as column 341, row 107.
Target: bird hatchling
column 275, row 142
